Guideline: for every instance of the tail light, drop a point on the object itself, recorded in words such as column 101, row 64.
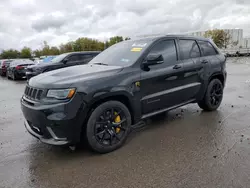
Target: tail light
column 19, row 67
column 3, row 65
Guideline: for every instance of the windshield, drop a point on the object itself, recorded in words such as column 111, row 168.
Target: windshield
column 47, row 59
column 59, row 58
column 122, row 54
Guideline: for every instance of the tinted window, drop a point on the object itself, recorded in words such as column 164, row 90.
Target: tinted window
column 206, row 48
column 86, row 58
column 74, row 58
column 59, row 58
column 167, row 49
column 189, row 49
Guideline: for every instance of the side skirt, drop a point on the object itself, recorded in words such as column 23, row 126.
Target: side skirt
column 167, row 109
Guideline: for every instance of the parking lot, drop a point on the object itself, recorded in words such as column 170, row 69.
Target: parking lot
column 185, row 148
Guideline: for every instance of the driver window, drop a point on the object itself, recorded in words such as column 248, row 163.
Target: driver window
column 73, row 58
column 167, row 49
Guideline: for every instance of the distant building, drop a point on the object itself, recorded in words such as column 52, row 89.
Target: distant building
column 246, row 43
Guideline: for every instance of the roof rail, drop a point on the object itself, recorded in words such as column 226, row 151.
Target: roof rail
column 148, row 35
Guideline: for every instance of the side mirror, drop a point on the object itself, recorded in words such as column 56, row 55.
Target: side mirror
column 65, row 60
column 153, row 59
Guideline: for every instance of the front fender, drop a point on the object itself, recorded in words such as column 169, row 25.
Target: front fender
column 120, row 94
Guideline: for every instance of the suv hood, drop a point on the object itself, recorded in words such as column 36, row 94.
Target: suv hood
column 65, row 77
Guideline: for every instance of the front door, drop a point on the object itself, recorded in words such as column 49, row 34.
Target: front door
column 160, row 85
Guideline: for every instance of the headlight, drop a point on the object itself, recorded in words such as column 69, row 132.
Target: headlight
column 61, row 93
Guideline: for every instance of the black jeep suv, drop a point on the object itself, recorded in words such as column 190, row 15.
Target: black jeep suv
column 61, row 61
column 126, row 83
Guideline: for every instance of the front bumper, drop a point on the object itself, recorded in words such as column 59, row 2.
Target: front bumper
column 54, row 124
column 51, row 141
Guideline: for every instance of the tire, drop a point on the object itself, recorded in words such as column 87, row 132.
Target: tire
column 213, row 96
column 103, row 142
column 13, row 77
column 7, row 75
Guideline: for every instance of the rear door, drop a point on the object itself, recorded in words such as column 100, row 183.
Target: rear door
column 207, row 60
column 190, row 56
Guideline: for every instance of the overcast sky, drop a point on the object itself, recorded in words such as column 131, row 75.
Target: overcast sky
column 30, row 22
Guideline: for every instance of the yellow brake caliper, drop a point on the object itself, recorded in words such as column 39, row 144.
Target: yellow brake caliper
column 117, row 120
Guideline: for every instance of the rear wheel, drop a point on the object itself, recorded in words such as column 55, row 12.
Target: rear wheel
column 13, row 76
column 213, row 96
column 108, row 127
column 7, row 75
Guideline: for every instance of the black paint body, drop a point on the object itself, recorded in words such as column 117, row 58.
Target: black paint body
column 144, row 92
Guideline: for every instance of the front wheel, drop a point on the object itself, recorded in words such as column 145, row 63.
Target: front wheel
column 213, row 96
column 108, row 127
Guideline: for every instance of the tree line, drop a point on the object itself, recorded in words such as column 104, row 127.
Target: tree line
column 81, row 44
column 221, row 38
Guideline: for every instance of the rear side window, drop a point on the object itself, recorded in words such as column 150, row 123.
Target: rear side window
column 207, row 48
column 189, row 49
column 168, row 50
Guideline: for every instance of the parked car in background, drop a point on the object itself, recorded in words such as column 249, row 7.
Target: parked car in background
column 4, row 64
column 17, row 68
column 61, row 61
column 126, row 83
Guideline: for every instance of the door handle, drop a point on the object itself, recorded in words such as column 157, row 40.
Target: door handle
column 177, row 67
column 204, row 61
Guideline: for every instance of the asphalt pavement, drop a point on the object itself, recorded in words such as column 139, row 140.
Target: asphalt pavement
column 186, row 148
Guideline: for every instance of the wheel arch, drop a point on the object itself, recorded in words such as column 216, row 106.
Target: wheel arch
column 218, row 76
column 121, row 96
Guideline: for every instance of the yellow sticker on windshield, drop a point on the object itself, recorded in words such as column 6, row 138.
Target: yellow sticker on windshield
column 136, row 49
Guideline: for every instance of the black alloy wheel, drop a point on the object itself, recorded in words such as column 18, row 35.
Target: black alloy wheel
column 213, row 96
column 109, row 130
column 13, row 76
column 108, row 126
column 7, row 75
column 216, row 94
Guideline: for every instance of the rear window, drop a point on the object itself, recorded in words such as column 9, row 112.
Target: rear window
column 189, row 49
column 207, row 48
column 21, row 62
column 5, row 62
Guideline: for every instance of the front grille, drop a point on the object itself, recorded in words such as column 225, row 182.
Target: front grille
column 33, row 93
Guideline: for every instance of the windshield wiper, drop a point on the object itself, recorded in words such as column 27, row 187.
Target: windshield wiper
column 100, row 64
